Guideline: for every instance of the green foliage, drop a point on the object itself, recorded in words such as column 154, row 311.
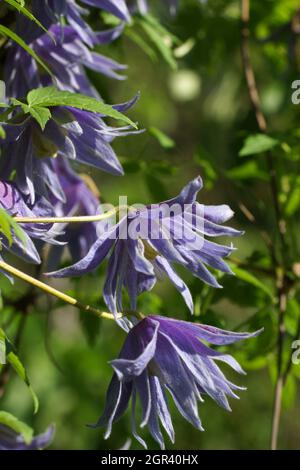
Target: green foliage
column 160, row 37
column 10, row 356
column 8, row 227
column 42, row 98
column 256, row 144
column 246, row 276
column 165, row 141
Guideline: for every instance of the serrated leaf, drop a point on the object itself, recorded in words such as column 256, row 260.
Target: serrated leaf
column 41, row 115
column 7, row 419
column 18, row 40
column 258, row 143
column 50, row 96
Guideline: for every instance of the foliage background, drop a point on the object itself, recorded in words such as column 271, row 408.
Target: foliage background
column 70, row 372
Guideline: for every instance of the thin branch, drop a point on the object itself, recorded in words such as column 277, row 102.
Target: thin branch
column 279, row 269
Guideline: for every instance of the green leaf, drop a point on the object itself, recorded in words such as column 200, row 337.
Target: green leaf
column 20, row 6
column 7, row 225
column 293, row 201
column 251, row 279
column 257, row 143
column 164, row 140
column 17, row 365
column 2, row 347
column 160, row 37
column 41, row 115
column 19, row 427
column 50, row 96
column 139, row 41
column 2, row 133
column 247, row 170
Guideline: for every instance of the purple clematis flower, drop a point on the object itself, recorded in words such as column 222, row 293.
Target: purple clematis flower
column 67, row 59
column 161, row 353
column 51, row 12
column 79, row 200
column 12, row 201
column 11, row 440
column 162, row 239
column 75, row 134
column 56, row 9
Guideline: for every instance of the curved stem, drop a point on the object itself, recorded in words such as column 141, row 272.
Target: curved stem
column 56, row 293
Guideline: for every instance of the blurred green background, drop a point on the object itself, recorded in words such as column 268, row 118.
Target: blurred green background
column 203, row 108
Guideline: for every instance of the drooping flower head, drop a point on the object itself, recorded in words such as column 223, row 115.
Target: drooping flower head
column 162, row 354
column 147, row 242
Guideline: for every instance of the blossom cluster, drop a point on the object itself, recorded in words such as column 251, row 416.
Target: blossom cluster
column 38, row 179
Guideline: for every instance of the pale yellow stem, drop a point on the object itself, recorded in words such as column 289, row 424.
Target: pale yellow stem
column 56, row 293
column 67, row 220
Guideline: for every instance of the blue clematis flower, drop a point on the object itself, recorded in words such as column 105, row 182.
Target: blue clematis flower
column 67, row 58
column 165, row 354
column 53, row 11
column 11, row 440
column 56, row 9
column 75, row 134
column 146, row 243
